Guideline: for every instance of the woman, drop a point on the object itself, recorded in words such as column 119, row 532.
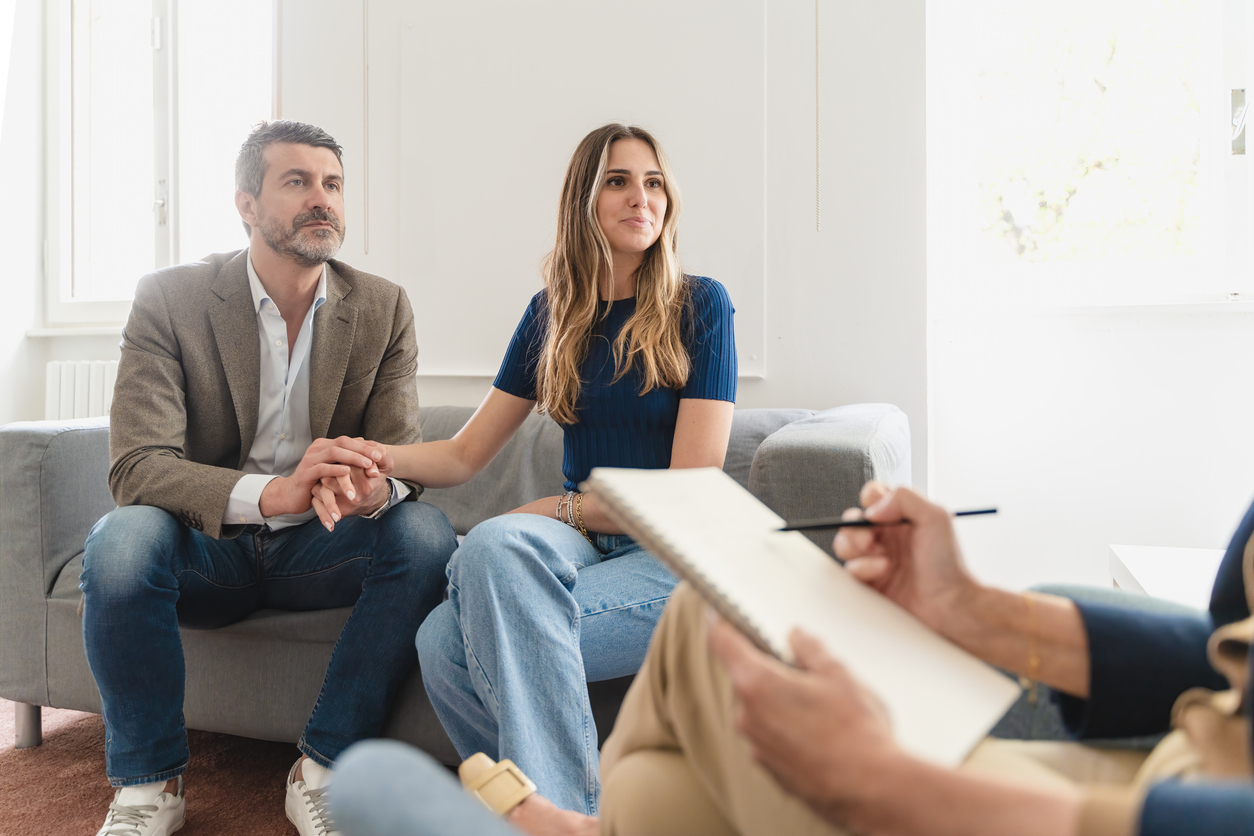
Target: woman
column 636, row 361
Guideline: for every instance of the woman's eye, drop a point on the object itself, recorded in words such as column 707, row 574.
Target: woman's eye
column 656, row 184
column 616, row 181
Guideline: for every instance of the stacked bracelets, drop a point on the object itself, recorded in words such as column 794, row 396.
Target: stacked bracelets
column 570, row 511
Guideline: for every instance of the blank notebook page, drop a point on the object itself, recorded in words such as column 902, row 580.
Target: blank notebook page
column 718, row 536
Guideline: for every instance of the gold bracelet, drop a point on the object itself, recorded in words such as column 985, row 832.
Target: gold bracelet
column 1028, row 683
column 579, row 517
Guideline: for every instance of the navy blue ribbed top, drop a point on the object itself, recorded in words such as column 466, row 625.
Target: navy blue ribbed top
column 617, row 426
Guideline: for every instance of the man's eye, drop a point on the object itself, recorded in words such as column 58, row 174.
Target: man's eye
column 335, row 187
column 296, row 182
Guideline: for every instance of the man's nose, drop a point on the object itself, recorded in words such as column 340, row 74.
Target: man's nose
column 320, row 197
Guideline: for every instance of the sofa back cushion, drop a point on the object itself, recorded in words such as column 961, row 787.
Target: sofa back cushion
column 530, row 466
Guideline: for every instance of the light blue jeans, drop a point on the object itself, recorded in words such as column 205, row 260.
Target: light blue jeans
column 534, row 613
column 385, row 788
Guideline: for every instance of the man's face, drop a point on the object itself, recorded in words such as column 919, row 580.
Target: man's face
column 300, row 210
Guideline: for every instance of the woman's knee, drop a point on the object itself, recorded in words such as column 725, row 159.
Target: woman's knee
column 439, row 642
column 508, row 547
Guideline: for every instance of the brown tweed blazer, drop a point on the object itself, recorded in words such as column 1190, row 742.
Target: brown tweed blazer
column 184, row 411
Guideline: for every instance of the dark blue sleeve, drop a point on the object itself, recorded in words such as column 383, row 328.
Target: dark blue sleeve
column 1214, row 807
column 1227, row 600
column 1140, row 662
column 711, row 339
column 517, row 376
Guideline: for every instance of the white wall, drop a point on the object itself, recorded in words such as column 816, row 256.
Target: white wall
column 844, row 308
column 21, row 223
column 1091, row 428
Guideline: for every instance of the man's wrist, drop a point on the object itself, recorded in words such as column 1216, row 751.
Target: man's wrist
column 388, row 493
column 271, row 500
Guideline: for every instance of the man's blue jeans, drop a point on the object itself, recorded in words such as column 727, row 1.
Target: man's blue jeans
column 535, row 612
column 144, row 573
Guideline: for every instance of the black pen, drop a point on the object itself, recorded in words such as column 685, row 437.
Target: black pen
column 837, row 522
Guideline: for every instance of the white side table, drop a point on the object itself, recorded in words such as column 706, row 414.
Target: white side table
column 1181, row 575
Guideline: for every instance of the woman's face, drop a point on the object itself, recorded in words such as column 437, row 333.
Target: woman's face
column 632, row 203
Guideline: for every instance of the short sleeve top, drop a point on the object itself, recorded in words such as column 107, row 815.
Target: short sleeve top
column 616, row 426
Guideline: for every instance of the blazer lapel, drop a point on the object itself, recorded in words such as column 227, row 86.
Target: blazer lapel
column 234, row 324
column 335, row 323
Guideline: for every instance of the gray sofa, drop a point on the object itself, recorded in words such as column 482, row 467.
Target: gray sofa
column 260, row 677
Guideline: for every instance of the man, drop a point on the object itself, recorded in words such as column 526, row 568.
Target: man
column 244, row 379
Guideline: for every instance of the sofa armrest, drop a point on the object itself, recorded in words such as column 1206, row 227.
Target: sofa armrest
column 53, row 488
column 816, row 466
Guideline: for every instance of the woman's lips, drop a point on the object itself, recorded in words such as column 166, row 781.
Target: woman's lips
column 641, row 222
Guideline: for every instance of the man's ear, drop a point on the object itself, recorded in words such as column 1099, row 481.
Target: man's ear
column 247, row 206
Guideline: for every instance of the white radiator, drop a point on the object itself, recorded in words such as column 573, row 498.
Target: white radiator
column 79, row 388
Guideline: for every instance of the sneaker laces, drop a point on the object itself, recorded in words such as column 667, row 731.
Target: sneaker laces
column 127, row 821
column 316, row 799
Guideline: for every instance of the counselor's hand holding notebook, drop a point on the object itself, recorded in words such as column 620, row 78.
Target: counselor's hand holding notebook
column 727, row 544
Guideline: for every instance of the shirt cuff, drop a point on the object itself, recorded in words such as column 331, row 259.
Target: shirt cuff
column 243, row 507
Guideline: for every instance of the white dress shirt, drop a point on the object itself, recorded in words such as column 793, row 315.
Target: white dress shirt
column 283, row 433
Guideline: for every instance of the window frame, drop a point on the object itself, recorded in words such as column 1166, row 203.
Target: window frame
column 61, row 308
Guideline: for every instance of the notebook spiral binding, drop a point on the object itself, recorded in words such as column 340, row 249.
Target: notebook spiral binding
column 649, row 537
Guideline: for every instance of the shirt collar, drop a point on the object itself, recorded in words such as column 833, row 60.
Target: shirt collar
column 260, row 297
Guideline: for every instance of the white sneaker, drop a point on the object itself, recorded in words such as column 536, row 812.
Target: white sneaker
column 306, row 802
column 145, row 810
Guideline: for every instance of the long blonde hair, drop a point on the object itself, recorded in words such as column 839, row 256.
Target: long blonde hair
column 651, row 337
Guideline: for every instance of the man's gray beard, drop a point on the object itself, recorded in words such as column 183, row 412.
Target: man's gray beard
column 308, row 250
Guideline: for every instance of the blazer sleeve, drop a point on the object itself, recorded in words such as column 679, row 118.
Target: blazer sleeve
column 391, row 415
column 148, row 423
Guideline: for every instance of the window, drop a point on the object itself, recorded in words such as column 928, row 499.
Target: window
column 152, row 99
column 1081, row 153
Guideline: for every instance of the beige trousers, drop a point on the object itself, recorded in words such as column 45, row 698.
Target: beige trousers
column 675, row 764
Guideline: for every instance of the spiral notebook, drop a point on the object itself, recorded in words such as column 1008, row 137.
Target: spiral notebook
column 721, row 539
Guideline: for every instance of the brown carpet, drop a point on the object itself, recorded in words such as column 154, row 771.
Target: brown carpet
column 234, row 785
